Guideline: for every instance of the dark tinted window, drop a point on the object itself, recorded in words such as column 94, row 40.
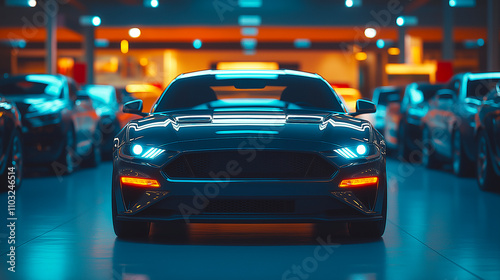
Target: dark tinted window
column 303, row 91
column 385, row 96
column 480, row 88
column 32, row 85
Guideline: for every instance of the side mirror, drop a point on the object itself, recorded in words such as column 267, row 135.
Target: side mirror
column 364, row 107
column 134, row 107
column 445, row 94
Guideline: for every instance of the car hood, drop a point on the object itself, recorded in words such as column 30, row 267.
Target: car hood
column 38, row 104
column 317, row 126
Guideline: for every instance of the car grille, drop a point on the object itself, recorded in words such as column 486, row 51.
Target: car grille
column 250, row 206
column 247, row 164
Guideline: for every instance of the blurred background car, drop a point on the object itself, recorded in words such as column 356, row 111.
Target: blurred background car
column 11, row 157
column 382, row 97
column 403, row 120
column 450, row 123
column 59, row 127
column 108, row 103
column 488, row 141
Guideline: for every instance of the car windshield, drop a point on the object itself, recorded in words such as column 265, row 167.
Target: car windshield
column 422, row 92
column 101, row 93
column 193, row 91
column 32, row 85
column 481, row 87
column 389, row 95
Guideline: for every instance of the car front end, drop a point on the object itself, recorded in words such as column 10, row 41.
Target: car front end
column 251, row 176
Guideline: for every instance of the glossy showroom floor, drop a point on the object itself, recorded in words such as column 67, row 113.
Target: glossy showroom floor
column 439, row 227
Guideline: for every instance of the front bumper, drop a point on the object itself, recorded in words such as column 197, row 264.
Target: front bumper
column 249, row 201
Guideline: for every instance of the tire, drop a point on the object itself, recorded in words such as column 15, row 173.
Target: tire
column 462, row 166
column 128, row 229
column 65, row 164
column 429, row 156
column 370, row 229
column 403, row 151
column 485, row 174
column 95, row 156
column 15, row 159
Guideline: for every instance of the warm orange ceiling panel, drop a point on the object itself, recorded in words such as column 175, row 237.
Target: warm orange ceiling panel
column 38, row 34
column 233, row 34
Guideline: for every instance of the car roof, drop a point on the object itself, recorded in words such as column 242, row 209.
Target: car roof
column 249, row 73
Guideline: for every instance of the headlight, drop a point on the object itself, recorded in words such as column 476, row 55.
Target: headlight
column 143, row 152
column 357, row 152
column 43, row 120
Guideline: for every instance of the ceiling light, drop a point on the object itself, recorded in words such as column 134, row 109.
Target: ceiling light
column 96, row 21
column 302, row 43
column 249, row 31
column 360, row 56
column 393, row 51
column 250, row 3
column 249, row 20
column 197, row 44
column 380, row 43
column 352, row 3
column 134, row 32
column 370, row 32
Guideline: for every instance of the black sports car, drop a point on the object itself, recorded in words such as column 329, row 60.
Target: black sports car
column 60, row 128
column 11, row 157
column 488, row 141
column 249, row 147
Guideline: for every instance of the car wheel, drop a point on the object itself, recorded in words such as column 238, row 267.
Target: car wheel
column 403, row 152
column 15, row 160
column 95, row 155
column 370, row 229
column 429, row 157
column 486, row 176
column 128, row 229
column 461, row 165
column 66, row 163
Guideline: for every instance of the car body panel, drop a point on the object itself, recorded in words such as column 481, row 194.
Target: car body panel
column 10, row 121
column 488, row 120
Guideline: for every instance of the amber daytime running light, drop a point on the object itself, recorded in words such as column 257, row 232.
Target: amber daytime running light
column 358, row 182
column 140, row 182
